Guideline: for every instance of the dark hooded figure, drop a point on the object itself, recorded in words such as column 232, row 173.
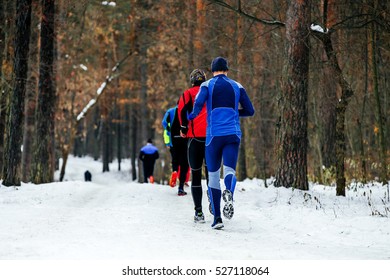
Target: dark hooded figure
column 148, row 156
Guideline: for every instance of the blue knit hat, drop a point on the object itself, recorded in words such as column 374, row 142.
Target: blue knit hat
column 219, row 64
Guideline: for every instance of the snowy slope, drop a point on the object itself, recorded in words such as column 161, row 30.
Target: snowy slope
column 114, row 218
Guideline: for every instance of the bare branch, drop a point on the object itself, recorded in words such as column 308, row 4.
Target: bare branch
column 241, row 12
column 102, row 87
column 345, row 22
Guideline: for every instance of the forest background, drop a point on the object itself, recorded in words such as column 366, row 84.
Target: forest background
column 95, row 78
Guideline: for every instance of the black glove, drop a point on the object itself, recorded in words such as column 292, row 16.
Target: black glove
column 183, row 129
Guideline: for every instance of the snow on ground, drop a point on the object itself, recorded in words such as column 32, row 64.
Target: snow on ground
column 114, row 218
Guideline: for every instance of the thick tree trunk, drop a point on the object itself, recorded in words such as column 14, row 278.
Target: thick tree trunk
column 8, row 29
column 12, row 157
column 2, row 92
column 42, row 171
column 31, row 96
column 292, row 142
column 2, row 34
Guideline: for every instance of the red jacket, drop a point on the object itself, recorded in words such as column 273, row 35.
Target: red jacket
column 196, row 127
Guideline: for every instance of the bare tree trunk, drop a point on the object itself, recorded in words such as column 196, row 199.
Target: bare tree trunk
column 67, row 144
column 105, row 142
column 118, row 110
column 292, row 142
column 327, row 113
column 119, row 117
column 4, row 27
column 45, row 113
column 341, row 107
column 133, row 139
column 2, row 35
column 379, row 116
column 105, row 121
column 340, row 146
column 132, row 108
column 96, row 118
column 361, row 151
column 31, row 96
column 65, row 156
column 12, row 157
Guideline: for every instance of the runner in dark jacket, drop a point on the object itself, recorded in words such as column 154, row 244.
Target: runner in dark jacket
column 148, row 155
column 178, row 149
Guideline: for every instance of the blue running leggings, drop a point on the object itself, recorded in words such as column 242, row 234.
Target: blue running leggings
column 221, row 148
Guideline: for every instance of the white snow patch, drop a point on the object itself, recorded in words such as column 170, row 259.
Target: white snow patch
column 115, row 218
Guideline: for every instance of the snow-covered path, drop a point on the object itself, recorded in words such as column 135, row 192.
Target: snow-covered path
column 113, row 218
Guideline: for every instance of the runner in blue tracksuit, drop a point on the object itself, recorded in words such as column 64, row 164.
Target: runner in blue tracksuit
column 223, row 134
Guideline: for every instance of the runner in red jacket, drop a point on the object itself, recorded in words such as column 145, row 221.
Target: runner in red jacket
column 195, row 131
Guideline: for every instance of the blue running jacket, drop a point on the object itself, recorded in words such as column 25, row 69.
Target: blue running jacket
column 222, row 96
